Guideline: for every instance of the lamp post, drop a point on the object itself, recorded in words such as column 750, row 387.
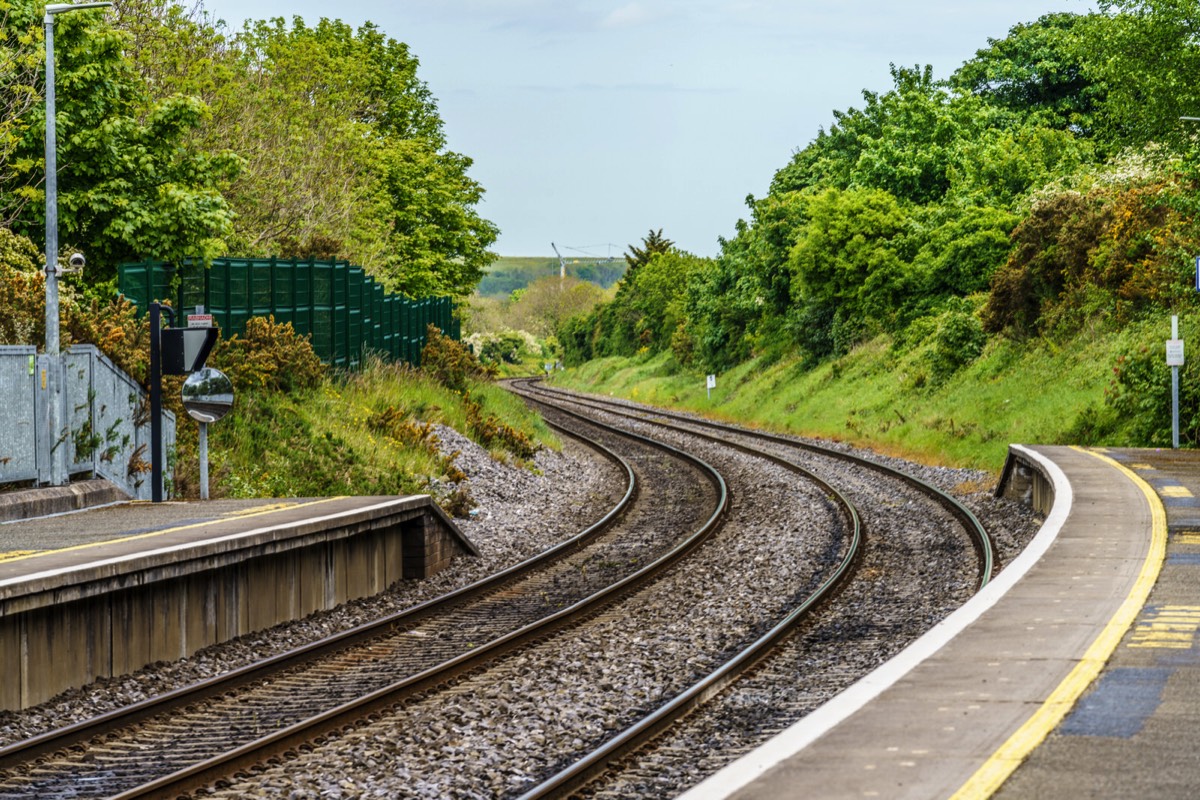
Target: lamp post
column 57, row 415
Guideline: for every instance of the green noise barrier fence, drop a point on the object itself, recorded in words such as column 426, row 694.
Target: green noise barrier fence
column 344, row 311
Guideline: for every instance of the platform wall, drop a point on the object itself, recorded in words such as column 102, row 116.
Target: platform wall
column 68, row 636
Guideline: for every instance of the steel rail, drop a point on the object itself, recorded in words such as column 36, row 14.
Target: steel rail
column 28, row 749
column 348, row 715
column 981, row 541
column 583, row 770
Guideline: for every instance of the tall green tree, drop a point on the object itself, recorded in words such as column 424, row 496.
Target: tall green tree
column 342, row 142
column 131, row 183
column 1038, row 72
column 1147, row 55
column 653, row 243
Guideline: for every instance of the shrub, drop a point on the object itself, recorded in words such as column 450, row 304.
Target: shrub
column 270, row 356
column 450, row 363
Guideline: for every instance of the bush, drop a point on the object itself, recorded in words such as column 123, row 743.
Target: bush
column 269, row 356
column 450, row 363
column 957, row 341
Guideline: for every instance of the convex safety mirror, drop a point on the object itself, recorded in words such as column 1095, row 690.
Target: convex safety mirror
column 207, row 395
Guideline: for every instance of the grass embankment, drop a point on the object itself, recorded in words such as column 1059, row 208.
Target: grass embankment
column 883, row 398
column 367, row 433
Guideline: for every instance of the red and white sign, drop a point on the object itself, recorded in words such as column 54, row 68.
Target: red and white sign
column 200, row 320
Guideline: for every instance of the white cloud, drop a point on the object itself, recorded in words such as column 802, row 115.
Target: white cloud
column 626, row 16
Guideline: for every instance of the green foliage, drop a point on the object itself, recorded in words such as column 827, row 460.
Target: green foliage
column 645, row 314
column 1139, row 392
column 341, row 146
column 1038, row 72
column 131, row 182
column 957, row 340
column 450, row 363
column 904, row 142
column 269, row 357
column 850, row 258
column 1145, row 53
column 653, row 244
column 504, row 347
column 1118, row 249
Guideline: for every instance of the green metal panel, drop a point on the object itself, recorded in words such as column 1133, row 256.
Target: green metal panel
column 322, row 300
column 391, row 326
column 193, row 286
column 378, row 318
column 343, row 310
column 354, row 308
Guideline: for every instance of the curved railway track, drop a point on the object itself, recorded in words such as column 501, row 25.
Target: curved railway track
column 636, row 762
column 480, row 675
column 182, row 740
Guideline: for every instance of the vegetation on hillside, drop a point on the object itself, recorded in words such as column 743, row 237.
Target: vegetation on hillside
column 1041, row 198
column 179, row 138
column 508, row 274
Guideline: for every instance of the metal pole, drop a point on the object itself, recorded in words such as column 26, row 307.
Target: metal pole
column 156, row 433
column 57, row 416
column 56, row 397
column 203, row 460
column 1174, row 390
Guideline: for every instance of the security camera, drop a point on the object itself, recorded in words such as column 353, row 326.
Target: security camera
column 75, row 262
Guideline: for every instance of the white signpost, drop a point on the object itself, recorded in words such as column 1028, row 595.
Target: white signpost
column 1175, row 361
column 712, row 384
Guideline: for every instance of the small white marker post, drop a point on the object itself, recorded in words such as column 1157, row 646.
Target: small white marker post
column 1174, row 361
column 712, row 384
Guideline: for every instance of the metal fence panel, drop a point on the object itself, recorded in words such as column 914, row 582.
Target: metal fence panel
column 344, row 311
column 18, row 377
column 107, row 428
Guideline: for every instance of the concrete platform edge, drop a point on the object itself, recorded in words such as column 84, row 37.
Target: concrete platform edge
column 51, row 500
column 791, row 741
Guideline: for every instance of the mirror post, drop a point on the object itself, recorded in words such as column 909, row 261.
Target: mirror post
column 203, row 460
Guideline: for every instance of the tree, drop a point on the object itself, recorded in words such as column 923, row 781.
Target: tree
column 848, row 268
column 905, row 141
column 1039, row 72
column 548, row 301
column 342, row 143
column 652, row 243
column 1146, row 54
column 132, row 185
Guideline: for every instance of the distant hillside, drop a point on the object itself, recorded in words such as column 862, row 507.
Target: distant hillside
column 509, row 273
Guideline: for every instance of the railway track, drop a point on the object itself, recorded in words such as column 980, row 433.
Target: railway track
column 775, row 685
column 181, row 740
column 549, row 713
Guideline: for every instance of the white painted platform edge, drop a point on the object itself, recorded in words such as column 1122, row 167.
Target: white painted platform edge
column 791, row 741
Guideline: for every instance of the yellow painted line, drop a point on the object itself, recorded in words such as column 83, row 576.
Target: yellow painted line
column 1175, row 491
column 258, row 511
column 1169, row 627
column 249, row 512
column 13, row 555
column 1187, row 537
column 1002, row 763
column 1142, row 467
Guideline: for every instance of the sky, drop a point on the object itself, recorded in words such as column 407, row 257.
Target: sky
column 592, row 122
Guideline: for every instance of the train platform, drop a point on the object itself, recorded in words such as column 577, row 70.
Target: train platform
column 1074, row 673
column 108, row 590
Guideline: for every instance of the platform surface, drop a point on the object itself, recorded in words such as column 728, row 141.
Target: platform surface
column 1136, row 730
column 1011, row 688
column 81, row 541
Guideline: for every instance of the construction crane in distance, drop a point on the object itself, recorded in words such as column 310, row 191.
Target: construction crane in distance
column 562, row 262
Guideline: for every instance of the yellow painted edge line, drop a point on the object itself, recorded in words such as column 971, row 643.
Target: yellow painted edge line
column 268, row 510
column 996, row 770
